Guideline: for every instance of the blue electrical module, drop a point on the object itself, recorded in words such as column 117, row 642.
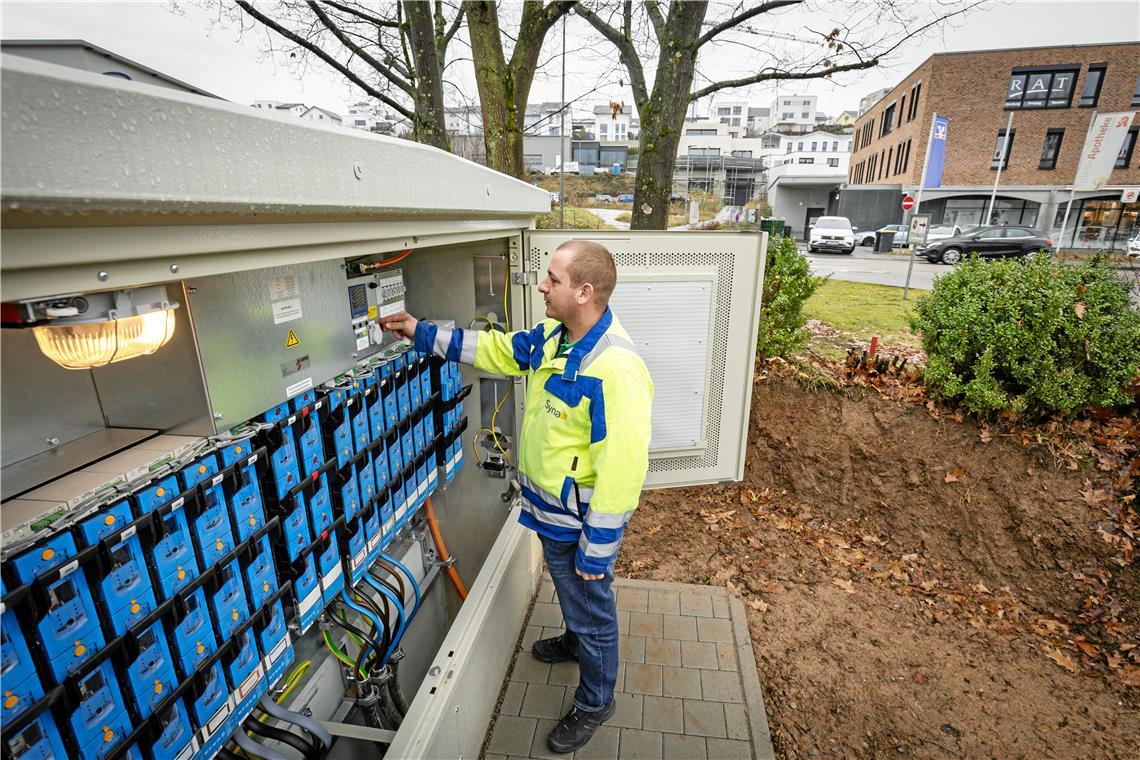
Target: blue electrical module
column 283, row 461
column 155, row 494
column 320, row 505
column 193, row 633
column 367, row 479
column 330, row 569
column 150, row 672
column 311, row 442
column 245, row 496
column 245, row 660
column 99, row 718
column 274, row 636
column 209, row 517
column 175, row 563
column 395, row 457
column 295, row 528
column 125, row 588
column 260, row 571
column 376, row 419
column 301, row 400
column 415, row 395
column 67, row 624
column 307, row 587
column 225, row 592
column 174, row 732
column 19, row 683
column 361, row 429
column 341, row 422
column 391, row 402
column 403, row 395
column 418, row 441
column 38, row 740
column 372, row 535
column 210, row 707
column 380, row 466
column 357, row 550
column 387, row 518
column 350, row 493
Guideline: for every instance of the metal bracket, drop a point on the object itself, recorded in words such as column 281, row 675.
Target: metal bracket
column 524, row 278
column 363, row 733
column 449, row 562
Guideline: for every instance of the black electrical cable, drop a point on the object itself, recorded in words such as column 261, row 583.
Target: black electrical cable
column 353, row 629
column 397, row 694
column 366, row 601
column 381, row 615
column 285, row 737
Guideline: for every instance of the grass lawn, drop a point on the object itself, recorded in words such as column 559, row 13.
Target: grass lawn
column 855, row 311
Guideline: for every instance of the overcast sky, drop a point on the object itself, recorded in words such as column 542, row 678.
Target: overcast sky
column 194, row 47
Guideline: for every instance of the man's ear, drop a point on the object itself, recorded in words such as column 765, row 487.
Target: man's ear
column 586, row 295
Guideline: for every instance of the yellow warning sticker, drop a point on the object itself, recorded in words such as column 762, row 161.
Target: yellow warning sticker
column 292, row 340
column 372, row 312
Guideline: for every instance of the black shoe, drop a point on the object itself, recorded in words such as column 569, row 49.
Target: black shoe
column 556, row 649
column 577, row 728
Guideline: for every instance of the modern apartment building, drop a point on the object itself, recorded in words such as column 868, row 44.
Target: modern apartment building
column 1052, row 94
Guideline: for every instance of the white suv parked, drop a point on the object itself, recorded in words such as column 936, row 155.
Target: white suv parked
column 832, row 233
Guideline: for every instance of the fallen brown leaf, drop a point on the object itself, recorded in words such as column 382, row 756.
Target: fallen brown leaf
column 953, row 475
column 920, row 677
column 1062, row 659
column 844, row 584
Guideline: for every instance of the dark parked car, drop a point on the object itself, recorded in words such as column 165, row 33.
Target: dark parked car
column 990, row 242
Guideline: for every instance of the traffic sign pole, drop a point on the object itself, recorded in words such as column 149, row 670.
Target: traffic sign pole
column 918, row 200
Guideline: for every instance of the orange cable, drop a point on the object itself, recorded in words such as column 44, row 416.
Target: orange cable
column 393, row 260
column 441, row 549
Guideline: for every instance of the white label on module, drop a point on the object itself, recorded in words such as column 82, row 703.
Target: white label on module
column 358, row 558
column 390, row 525
column 68, row 569
column 249, row 684
column 331, row 577
column 215, row 723
column 188, row 751
column 128, row 533
column 276, row 653
column 373, row 542
column 310, row 601
column 217, row 479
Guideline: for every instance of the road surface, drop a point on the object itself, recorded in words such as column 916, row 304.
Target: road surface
column 877, row 268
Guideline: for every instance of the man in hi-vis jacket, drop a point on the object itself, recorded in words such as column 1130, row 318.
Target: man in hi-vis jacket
column 583, row 456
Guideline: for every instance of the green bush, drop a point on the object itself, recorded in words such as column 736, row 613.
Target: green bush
column 1036, row 337
column 787, row 284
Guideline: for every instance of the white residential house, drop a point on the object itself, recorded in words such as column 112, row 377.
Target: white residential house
column 846, row 119
column 759, row 120
column 869, row 100
column 322, row 115
column 546, row 118
column 292, row 109
column 733, row 114
column 611, row 127
column 794, row 114
column 803, row 173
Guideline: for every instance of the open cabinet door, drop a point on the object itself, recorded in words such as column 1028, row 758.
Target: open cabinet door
column 691, row 303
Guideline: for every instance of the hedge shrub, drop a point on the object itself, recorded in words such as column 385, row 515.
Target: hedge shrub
column 1031, row 337
column 787, row 284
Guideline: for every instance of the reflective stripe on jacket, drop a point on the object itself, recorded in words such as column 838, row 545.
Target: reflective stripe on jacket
column 584, row 450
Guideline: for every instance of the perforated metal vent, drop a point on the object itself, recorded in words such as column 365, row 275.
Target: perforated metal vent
column 725, row 263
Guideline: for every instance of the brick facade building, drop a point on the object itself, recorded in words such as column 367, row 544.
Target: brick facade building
column 1052, row 94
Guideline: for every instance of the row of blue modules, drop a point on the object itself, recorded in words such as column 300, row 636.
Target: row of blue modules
column 155, row 690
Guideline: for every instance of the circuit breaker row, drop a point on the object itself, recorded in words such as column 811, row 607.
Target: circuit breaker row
column 151, row 626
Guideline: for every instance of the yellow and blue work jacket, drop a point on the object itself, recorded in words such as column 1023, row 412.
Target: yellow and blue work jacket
column 584, row 449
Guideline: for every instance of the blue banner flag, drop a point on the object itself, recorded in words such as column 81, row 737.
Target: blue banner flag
column 936, row 152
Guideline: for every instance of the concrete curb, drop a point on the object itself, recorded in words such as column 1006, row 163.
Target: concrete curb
column 753, row 693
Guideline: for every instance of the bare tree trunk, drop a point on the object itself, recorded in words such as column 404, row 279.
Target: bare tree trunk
column 502, row 125
column 428, row 124
column 663, row 116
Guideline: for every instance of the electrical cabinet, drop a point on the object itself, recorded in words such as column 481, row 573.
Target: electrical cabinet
column 222, row 523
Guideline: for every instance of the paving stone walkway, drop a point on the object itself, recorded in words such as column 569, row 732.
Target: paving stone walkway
column 687, row 686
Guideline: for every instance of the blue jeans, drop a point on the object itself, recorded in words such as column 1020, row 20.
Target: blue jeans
column 590, row 614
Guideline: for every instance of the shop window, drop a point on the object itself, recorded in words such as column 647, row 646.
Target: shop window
column 1090, row 92
column 1041, row 88
column 1002, row 149
column 1051, row 149
column 1124, row 157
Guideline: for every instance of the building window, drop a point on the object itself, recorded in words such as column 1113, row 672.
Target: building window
column 736, row 122
column 742, row 154
column 1124, row 157
column 902, row 107
column 807, row 102
column 788, row 115
column 823, row 146
column 694, row 132
column 906, row 157
column 603, row 129
column 1051, row 149
column 723, row 111
column 787, row 102
column 734, row 134
column 888, row 121
column 848, row 146
column 1041, row 88
column 807, row 160
column 814, row 145
column 799, row 146
column 887, row 163
column 1002, row 149
column 789, row 147
column 1090, row 92
column 833, row 162
column 1136, row 93
column 736, row 110
column 914, row 93
column 804, row 115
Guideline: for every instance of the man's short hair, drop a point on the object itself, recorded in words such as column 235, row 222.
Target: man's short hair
column 592, row 263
